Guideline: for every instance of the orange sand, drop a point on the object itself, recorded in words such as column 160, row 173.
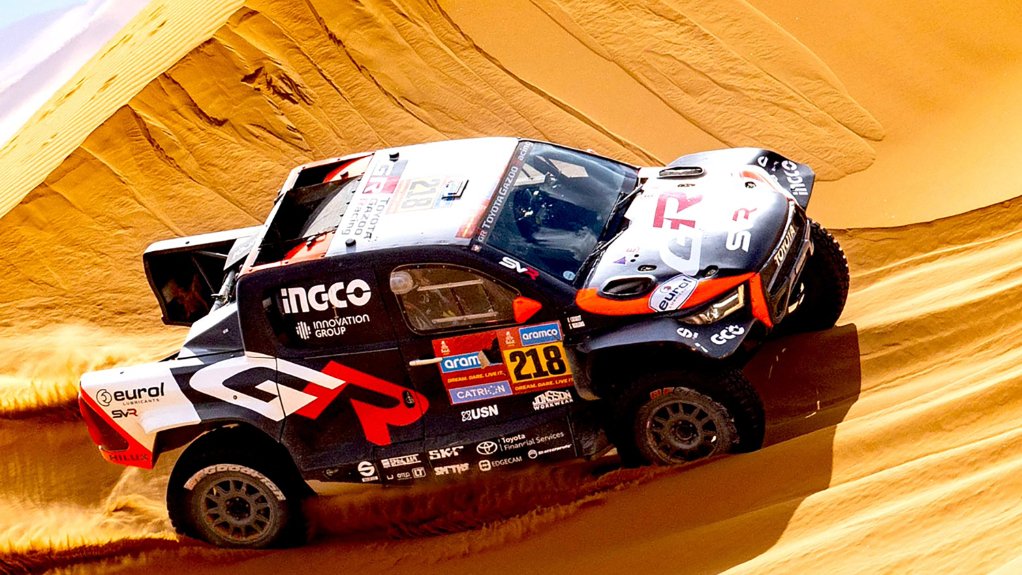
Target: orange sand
column 190, row 118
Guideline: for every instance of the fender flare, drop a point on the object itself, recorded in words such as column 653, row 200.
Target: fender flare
column 716, row 341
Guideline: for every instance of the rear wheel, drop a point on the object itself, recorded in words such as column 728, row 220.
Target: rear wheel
column 678, row 417
column 235, row 498
column 823, row 285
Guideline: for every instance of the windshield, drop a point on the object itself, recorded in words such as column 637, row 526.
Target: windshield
column 557, row 205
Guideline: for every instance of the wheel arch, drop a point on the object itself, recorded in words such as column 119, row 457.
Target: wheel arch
column 612, row 369
column 209, row 437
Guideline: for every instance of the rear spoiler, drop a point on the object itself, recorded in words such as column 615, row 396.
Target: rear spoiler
column 185, row 274
column 794, row 177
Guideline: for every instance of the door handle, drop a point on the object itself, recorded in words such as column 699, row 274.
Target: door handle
column 484, row 361
column 430, row 361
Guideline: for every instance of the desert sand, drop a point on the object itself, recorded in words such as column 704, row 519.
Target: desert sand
column 892, row 441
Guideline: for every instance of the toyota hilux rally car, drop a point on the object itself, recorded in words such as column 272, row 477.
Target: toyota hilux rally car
column 465, row 307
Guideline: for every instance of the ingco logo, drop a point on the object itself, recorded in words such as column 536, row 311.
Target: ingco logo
column 322, row 297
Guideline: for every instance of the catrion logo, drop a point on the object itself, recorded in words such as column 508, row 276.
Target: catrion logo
column 321, row 298
column 486, row 448
column 303, row 329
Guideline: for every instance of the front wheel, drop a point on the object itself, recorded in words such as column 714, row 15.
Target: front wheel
column 678, row 417
column 823, row 285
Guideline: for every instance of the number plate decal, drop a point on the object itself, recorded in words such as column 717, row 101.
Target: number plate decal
column 506, row 361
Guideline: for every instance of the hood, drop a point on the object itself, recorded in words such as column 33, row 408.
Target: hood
column 693, row 226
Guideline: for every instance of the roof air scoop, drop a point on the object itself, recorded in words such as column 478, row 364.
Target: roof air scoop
column 682, row 172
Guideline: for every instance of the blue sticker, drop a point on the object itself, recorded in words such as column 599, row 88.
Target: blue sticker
column 460, row 362
column 479, row 392
column 537, row 334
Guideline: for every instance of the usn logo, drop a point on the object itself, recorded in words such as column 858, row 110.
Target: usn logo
column 537, row 334
column 460, row 362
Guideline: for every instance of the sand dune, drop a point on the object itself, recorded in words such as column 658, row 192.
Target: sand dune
column 898, row 453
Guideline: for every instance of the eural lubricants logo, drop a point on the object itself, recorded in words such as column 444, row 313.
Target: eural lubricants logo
column 136, row 396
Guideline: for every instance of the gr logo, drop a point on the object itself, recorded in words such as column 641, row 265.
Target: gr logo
column 322, row 297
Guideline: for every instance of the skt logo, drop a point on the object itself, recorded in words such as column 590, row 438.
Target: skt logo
column 321, row 389
column 445, row 453
column 321, row 298
column 517, row 266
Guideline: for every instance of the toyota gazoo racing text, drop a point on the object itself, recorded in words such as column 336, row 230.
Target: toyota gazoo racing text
column 465, row 307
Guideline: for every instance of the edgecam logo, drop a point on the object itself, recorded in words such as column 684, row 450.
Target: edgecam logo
column 538, row 334
column 321, row 298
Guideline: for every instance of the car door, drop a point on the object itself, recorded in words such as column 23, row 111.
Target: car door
column 340, row 373
column 490, row 361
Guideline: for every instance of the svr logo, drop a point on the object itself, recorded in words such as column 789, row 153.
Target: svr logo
column 323, row 387
column 727, row 334
column 515, row 265
column 739, row 238
column 321, row 298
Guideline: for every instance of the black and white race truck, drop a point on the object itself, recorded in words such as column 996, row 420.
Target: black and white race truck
column 465, row 307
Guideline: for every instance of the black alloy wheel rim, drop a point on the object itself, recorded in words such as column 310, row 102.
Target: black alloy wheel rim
column 238, row 509
column 682, row 431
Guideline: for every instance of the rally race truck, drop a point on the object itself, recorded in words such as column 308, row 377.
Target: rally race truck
column 465, row 307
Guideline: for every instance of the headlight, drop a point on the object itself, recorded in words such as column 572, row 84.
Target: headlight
column 720, row 309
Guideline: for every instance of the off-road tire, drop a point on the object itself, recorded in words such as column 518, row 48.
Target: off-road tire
column 670, row 406
column 233, row 497
column 824, row 285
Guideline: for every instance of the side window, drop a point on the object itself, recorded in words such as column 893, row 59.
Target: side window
column 435, row 298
